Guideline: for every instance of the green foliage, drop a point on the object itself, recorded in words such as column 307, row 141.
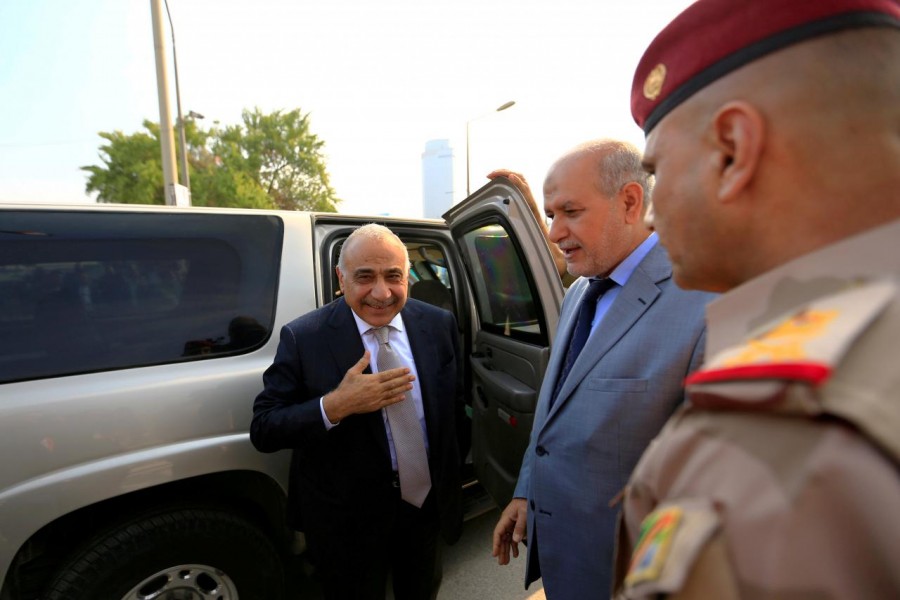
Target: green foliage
column 133, row 168
column 268, row 161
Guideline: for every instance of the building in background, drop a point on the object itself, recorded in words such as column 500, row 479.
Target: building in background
column 437, row 178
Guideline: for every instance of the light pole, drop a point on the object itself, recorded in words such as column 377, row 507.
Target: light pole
column 502, row 107
column 185, row 174
column 166, row 139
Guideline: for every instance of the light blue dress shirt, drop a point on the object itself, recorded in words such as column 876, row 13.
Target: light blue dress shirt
column 620, row 275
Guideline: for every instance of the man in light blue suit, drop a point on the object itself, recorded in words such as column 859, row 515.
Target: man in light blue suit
column 600, row 406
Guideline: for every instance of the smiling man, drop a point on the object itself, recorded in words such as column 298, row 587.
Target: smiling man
column 598, row 407
column 773, row 129
column 367, row 392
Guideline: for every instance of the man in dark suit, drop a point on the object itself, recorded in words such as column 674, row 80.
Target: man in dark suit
column 354, row 488
column 598, row 407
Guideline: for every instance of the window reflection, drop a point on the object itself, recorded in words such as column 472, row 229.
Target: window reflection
column 506, row 303
column 98, row 291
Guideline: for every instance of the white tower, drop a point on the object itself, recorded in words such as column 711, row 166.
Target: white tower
column 437, row 178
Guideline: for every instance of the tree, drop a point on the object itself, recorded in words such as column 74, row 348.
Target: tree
column 283, row 157
column 133, row 168
column 269, row 161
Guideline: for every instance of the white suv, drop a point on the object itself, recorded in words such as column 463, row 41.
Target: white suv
column 132, row 344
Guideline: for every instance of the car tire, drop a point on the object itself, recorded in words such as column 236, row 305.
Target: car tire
column 183, row 553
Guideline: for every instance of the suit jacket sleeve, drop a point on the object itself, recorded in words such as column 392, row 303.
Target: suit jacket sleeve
column 463, row 424
column 286, row 414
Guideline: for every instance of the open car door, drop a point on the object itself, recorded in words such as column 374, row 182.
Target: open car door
column 517, row 293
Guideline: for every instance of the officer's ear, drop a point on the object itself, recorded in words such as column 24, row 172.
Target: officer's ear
column 738, row 131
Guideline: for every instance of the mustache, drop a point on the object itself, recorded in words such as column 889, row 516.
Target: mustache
column 383, row 304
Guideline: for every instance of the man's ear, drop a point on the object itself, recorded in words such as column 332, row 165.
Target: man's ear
column 340, row 276
column 739, row 133
column 633, row 195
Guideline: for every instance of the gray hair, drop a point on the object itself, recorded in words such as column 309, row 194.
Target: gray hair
column 619, row 163
column 372, row 232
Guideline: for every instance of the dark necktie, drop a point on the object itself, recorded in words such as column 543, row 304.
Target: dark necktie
column 586, row 311
column 409, row 440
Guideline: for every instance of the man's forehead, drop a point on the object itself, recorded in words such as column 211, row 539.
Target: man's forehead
column 377, row 258
column 569, row 169
column 368, row 249
column 370, row 268
column 669, row 126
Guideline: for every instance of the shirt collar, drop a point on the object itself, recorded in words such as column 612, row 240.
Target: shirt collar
column 363, row 327
column 622, row 273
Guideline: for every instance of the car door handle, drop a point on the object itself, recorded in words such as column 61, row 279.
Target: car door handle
column 503, row 387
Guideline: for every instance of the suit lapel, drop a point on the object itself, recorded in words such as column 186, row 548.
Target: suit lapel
column 563, row 336
column 345, row 344
column 635, row 297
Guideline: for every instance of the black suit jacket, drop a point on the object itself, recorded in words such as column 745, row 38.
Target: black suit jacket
column 341, row 478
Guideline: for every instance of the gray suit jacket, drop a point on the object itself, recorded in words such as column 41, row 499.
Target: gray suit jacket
column 621, row 390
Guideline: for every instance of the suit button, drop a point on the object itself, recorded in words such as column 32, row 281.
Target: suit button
column 541, row 451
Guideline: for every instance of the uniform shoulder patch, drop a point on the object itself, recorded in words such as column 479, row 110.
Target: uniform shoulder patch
column 657, row 532
column 670, row 540
column 803, row 346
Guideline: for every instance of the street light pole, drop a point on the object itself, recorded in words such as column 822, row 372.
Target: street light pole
column 166, row 138
column 185, row 176
column 502, row 107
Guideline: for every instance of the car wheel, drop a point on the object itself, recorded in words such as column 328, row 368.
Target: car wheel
column 179, row 555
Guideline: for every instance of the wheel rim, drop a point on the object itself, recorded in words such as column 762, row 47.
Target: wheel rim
column 185, row 582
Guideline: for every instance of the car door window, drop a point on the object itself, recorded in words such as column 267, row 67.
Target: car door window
column 504, row 292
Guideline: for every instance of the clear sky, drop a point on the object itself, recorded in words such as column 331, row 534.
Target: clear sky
column 378, row 78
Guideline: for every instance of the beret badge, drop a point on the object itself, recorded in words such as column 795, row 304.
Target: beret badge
column 654, row 82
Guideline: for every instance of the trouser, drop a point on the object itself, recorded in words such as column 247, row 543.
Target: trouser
column 405, row 547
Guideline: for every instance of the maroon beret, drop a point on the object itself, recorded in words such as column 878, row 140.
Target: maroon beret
column 714, row 37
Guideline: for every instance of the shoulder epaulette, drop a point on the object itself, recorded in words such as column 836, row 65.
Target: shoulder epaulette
column 804, row 346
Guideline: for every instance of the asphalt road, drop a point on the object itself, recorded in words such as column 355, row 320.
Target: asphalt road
column 470, row 572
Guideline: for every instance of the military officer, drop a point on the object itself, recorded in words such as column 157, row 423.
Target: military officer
column 773, row 129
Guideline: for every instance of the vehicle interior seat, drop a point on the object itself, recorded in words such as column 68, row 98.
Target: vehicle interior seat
column 433, row 292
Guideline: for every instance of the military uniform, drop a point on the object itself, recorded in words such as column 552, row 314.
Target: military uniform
column 780, row 478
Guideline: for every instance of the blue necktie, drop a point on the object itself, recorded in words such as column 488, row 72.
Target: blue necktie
column 582, row 330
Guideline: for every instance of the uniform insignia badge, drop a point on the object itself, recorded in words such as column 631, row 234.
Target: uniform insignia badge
column 671, row 539
column 657, row 532
column 804, row 345
column 654, row 82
